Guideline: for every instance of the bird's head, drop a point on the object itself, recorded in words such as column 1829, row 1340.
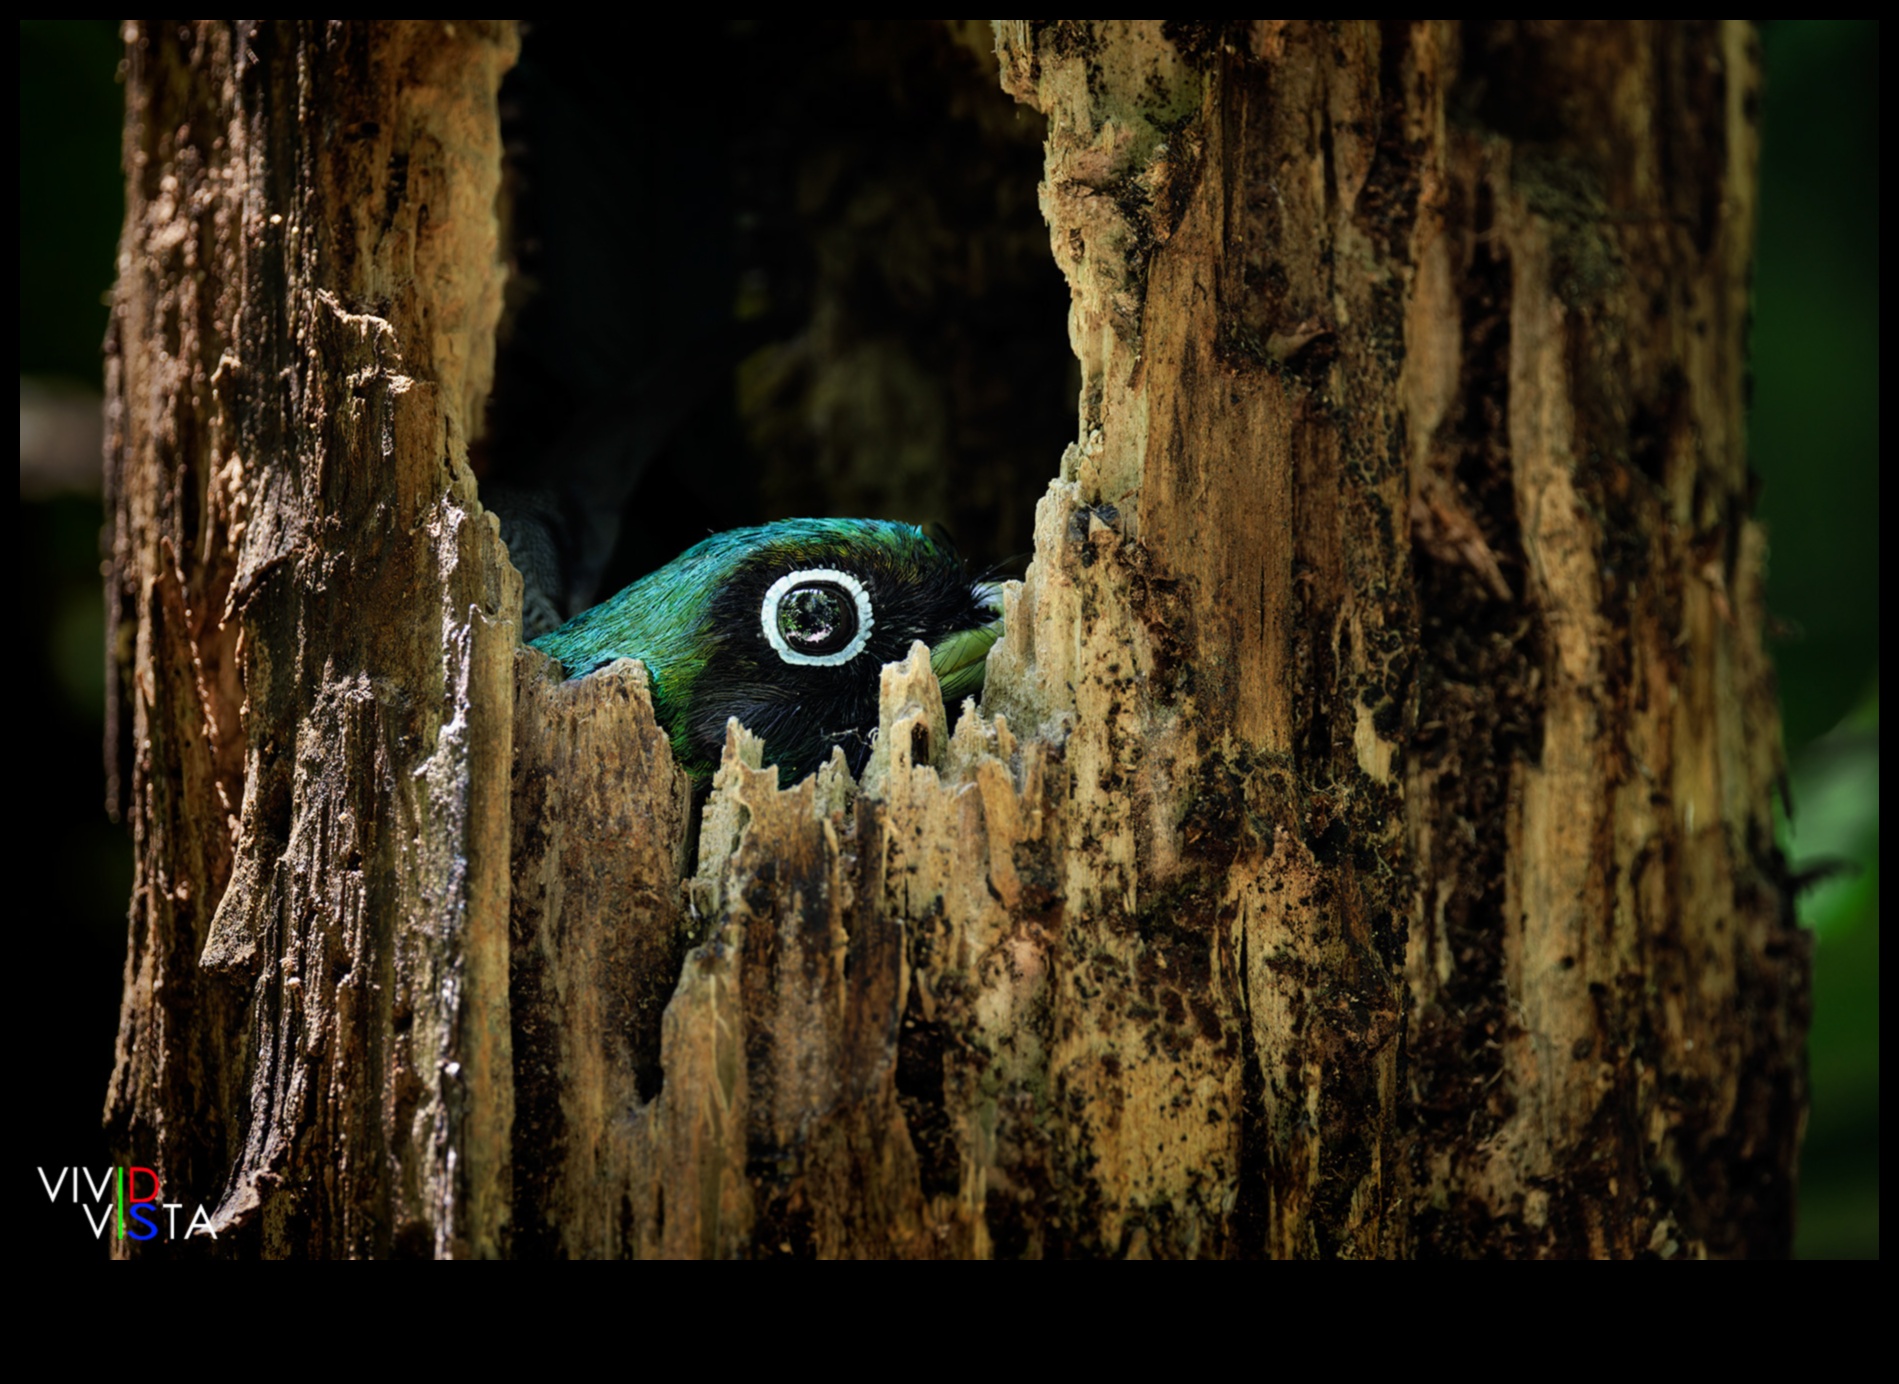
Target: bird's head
column 787, row 627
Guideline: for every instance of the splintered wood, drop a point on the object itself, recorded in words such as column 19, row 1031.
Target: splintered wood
column 879, row 1042
column 1363, row 846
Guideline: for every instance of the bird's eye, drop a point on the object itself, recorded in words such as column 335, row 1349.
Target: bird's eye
column 818, row 617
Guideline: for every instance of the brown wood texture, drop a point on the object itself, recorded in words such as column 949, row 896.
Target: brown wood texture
column 314, row 625
column 1363, row 848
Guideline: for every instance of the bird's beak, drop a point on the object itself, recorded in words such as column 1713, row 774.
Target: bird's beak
column 960, row 659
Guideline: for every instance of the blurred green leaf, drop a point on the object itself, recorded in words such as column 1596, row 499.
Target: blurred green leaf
column 1814, row 425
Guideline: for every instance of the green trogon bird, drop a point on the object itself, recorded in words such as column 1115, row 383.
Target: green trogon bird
column 786, row 627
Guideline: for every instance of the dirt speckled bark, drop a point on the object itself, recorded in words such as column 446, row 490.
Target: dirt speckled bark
column 599, row 815
column 313, row 630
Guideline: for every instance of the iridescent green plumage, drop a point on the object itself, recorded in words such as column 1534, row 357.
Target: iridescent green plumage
column 786, row 627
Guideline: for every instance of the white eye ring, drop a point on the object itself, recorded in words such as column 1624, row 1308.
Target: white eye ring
column 768, row 616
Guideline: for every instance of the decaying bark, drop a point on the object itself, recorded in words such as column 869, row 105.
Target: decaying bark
column 314, row 625
column 1362, row 849
column 600, row 822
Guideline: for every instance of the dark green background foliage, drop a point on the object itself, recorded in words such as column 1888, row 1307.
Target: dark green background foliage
column 1814, row 441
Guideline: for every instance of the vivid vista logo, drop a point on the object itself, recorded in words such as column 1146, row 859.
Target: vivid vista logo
column 114, row 1201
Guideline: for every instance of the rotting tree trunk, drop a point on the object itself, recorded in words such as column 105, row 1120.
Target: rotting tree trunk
column 1364, row 845
column 313, row 630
